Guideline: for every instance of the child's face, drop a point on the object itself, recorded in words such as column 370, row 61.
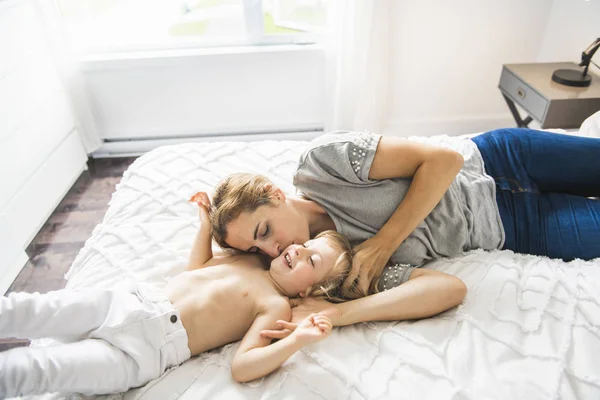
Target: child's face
column 301, row 266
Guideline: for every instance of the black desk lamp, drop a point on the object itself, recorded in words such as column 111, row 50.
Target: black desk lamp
column 574, row 77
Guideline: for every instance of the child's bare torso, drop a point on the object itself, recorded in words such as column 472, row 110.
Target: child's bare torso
column 218, row 303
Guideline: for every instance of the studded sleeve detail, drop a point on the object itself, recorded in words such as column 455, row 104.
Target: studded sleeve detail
column 394, row 275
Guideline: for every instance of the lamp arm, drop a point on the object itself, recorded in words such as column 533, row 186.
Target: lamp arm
column 587, row 54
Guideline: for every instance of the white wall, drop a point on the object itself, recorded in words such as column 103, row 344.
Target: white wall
column 573, row 25
column 41, row 153
column 447, row 59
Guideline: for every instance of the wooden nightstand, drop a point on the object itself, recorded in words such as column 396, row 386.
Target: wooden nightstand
column 551, row 104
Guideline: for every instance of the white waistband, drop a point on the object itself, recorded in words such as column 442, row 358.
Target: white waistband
column 175, row 335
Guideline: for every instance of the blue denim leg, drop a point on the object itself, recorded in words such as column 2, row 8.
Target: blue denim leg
column 542, row 180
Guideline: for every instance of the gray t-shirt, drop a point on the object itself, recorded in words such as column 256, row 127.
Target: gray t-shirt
column 334, row 172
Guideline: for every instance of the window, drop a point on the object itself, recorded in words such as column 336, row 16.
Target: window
column 94, row 26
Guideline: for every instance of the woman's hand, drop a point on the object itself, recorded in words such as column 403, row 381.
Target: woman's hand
column 371, row 256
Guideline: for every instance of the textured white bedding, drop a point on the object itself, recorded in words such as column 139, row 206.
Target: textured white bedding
column 529, row 327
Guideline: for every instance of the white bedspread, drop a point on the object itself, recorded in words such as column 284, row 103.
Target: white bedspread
column 528, row 329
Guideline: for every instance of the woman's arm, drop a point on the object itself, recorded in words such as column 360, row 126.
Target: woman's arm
column 432, row 170
column 425, row 294
column 255, row 358
column 202, row 249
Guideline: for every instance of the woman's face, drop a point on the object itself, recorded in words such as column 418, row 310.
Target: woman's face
column 268, row 229
column 302, row 265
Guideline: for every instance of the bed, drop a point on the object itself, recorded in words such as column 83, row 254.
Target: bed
column 528, row 328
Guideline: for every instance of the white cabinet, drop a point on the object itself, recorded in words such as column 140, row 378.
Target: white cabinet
column 41, row 153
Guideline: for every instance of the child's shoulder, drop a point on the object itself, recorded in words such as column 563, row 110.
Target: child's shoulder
column 278, row 305
column 240, row 260
column 251, row 260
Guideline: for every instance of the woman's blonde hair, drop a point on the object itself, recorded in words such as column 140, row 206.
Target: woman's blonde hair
column 235, row 194
column 343, row 282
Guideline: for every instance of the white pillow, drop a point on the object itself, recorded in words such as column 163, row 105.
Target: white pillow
column 591, row 126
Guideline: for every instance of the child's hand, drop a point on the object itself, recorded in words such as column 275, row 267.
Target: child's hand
column 203, row 201
column 285, row 329
column 200, row 198
column 313, row 328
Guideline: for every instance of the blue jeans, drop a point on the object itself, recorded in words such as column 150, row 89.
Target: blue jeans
column 543, row 181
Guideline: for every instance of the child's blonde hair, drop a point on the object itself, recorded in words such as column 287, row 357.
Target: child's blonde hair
column 342, row 282
column 235, row 194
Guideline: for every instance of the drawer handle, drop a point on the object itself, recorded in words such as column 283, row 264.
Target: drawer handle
column 521, row 92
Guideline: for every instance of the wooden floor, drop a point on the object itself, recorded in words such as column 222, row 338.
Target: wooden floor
column 57, row 243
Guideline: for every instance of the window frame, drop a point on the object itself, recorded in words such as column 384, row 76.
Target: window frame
column 255, row 36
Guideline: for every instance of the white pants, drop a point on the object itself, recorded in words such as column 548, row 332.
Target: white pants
column 113, row 340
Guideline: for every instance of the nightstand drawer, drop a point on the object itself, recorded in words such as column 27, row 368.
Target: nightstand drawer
column 523, row 95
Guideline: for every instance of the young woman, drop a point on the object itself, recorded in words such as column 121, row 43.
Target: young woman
column 408, row 202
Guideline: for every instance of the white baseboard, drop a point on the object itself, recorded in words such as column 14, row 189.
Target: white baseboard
column 135, row 147
column 31, row 206
column 448, row 126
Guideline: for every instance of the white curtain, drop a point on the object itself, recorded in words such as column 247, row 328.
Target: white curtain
column 358, row 65
column 70, row 74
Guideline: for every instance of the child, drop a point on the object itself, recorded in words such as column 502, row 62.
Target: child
column 119, row 338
